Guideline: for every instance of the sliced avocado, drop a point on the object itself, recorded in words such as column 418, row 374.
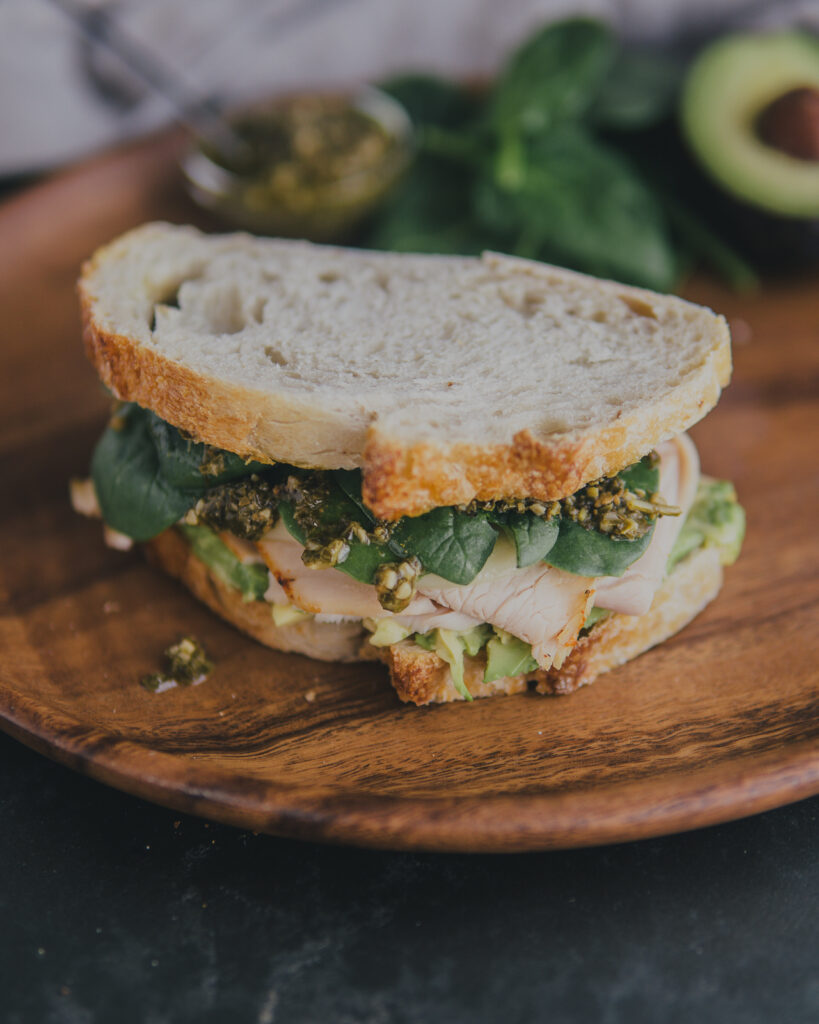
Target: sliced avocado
column 728, row 90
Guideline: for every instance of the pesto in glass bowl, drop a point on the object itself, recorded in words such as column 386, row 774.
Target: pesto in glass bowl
column 313, row 165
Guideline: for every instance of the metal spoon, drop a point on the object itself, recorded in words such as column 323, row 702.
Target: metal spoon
column 202, row 114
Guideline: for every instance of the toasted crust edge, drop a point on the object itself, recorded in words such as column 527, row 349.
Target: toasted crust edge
column 421, row 677
column 398, row 478
column 325, row 641
column 693, row 584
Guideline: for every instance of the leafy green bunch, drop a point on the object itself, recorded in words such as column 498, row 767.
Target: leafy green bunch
column 148, row 476
column 544, row 164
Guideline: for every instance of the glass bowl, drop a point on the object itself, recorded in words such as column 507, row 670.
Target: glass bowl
column 316, row 164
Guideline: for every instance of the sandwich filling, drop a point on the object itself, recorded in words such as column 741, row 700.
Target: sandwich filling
column 519, row 580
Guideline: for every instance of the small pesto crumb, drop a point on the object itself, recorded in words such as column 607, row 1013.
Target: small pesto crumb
column 248, row 508
column 213, row 462
column 395, row 583
column 186, row 662
column 152, row 681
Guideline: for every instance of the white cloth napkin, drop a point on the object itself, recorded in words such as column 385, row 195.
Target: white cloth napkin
column 61, row 98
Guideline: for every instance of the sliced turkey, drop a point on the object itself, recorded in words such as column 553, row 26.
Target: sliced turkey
column 324, row 591
column 633, row 592
column 540, row 604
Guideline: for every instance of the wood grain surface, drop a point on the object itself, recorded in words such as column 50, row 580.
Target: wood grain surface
column 715, row 724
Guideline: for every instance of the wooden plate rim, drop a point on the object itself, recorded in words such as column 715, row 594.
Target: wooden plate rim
column 490, row 823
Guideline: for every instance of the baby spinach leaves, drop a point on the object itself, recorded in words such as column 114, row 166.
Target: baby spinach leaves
column 449, row 543
column 533, row 537
column 526, row 169
column 642, row 476
column 189, row 465
column 553, row 78
column 363, row 559
column 147, row 474
column 432, row 100
column 591, row 553
column 134, row 496
column 639, row 91
column 580, row 204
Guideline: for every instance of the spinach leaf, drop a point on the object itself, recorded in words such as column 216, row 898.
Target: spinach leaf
column 641, row 475
column 581, row 205
column 181, row 459
column 638, row 92
column 430, row 212
column 134, row 496
column 252, row 580
column 554, row 76
column 591, row 553
column 534, row 537
column 364, row 559
column 431, row 100
column 360, row 563
column 449, row 543
column 349, row 482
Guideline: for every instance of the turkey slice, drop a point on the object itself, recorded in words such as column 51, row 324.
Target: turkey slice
column 540, row 604
column 633, row 592
column 323, row 591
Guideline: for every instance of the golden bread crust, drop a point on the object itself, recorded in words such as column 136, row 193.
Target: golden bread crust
column 409, row 479
column 421, row 677
column 619, row 638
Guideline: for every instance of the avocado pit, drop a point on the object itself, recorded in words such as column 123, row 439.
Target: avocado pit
column 791, row 123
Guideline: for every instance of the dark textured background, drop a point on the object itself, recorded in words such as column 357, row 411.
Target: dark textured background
column 114, row 910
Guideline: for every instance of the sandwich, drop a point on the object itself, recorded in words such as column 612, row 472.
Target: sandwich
column 475, row 469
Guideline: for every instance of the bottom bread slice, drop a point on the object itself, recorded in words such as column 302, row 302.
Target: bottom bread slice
column 422, row 677
column 327, row 641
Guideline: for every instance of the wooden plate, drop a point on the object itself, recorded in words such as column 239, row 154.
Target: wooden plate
column 718, row 723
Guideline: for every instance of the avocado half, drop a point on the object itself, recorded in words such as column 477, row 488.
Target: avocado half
column 730, row 86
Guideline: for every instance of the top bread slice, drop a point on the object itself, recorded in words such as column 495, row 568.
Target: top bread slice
column 444, row 378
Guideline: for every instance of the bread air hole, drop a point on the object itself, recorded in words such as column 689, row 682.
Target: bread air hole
column 170, row 301
column 639, row 306
column 223, row 309
column 527, row 304
column 274, row 355
column 257, row 310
